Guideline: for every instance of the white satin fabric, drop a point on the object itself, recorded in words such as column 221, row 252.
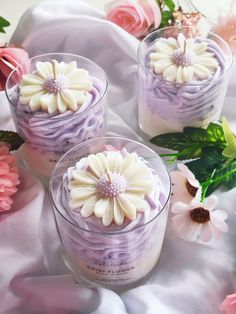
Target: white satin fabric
column 190, row 278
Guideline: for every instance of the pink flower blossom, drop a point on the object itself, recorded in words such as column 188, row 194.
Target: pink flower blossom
column 198, row 219
column 10, row 58
column 229, row 304
column 185, row 186
column 9, row 177
column 226, row 29
column 135, row 16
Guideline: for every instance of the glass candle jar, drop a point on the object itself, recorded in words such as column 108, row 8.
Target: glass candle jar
column 115, row 256
column 48, row 136
column 167, row 101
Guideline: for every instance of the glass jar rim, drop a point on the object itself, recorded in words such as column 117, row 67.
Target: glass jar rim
column 194, row 83
column 57, row 116
column 114, row 233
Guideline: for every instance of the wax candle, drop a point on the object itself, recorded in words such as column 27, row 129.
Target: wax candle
column 60, row 103
column 182, row 80
column 114, row 206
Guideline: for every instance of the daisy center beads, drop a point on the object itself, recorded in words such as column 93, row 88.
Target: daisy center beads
column 112, row 184
column 182, row 58
column 200, row 215
column 56, row 85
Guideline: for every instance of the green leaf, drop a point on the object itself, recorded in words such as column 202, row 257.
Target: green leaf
column 191, row 141
column 170, row 4
column 11, row 138
column 210, row 160
column 3, row 23
column 203, row 167
column 230, row 149
column 166, row 18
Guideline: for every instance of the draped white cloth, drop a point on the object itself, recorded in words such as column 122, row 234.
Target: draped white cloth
column 190, row 278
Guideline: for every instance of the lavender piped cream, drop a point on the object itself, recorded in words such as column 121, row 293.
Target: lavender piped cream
column 182, row 81
column 111, row 210
column 60, row 103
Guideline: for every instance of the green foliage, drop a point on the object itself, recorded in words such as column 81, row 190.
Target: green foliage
column 3, row 23
column 211, row 153
column 191, row 141
column 11, row 138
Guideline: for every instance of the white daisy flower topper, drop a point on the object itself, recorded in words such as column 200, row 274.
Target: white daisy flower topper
column 183, row 60
column 55, row 87
column 112, row 187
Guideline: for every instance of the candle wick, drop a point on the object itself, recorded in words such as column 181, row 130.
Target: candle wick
column 109, row 176
column 185, row 46
column 54, row 69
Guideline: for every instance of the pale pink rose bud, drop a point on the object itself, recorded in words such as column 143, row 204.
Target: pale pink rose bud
column 136, row 17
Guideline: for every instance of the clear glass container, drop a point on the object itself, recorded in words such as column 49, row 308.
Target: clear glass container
column 48, row 136
column 166, row 106
column 110, row 256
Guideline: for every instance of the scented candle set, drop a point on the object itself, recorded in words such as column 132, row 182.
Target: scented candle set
column 110, row 195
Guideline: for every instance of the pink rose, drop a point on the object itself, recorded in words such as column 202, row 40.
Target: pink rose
column 136, row 17
column 11, row 57
column 229, row 304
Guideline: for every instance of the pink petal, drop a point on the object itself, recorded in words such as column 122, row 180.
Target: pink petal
column 210, row 202
column 180, row 221
column 205, row 234
column 219, row 224
column 191, row 230
column 216, row 233
column 180, row 208
column 219, row 214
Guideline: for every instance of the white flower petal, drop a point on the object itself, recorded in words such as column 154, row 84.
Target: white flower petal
column 88, row 207
column 69, row 98
column 127, row 207
column 32, row 79
column 35, row 102
column 162, row 65
column 201, row 71
column 118, row 213
column 170, row 73
column 96, row 165
column 30, row 90
column 62, row 105
column 187, row 74
column 46, row 101
column 114, row 160
column 101, row 207
column 199, row 48
column 83, row 177
column 156, row 56
column 128, row 161
column 161, row 46
column 108, row 216
column 44, row 69
column 140, row 204
column 82, row 193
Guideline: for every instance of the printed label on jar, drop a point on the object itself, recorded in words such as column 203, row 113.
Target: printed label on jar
column 112, row 273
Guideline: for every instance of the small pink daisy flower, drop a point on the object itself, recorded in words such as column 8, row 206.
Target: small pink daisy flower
column 9, row 177
column 185, row 187
column 197, row 219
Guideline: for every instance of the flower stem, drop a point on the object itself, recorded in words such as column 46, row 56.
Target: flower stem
column 207, row 186
column 211, row 180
